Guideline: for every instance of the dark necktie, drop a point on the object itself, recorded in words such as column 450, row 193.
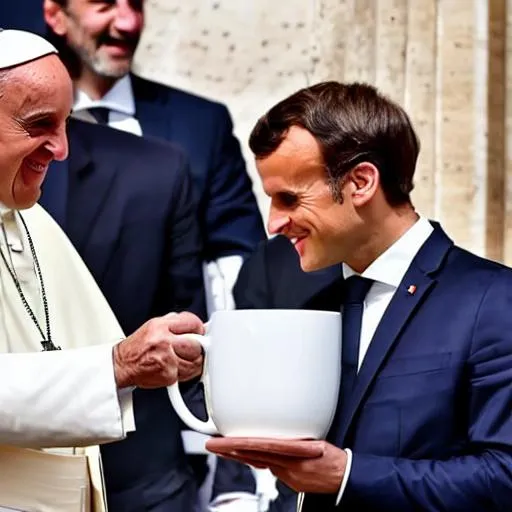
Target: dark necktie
column 100, row 114
column 355, row 290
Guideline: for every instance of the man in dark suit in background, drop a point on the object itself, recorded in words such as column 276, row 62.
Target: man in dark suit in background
column 424, row 413
column 97, row 41
column 127, row 206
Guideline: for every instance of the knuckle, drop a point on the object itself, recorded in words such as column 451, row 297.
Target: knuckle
column 158, row 340
column 150, row 324
column 153, row 341
column 155, row 324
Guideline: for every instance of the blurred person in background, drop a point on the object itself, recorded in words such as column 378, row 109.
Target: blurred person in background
column 127, row 206
column 126, row 203
column 98, row 40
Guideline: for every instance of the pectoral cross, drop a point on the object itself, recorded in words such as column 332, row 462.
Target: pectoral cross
column 48, row 346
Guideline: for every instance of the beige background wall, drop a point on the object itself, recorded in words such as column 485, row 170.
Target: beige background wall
column 444, row 60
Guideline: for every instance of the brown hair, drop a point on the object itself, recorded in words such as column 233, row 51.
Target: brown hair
column 353, row 123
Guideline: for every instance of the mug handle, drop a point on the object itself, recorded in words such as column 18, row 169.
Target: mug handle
column 205, row 427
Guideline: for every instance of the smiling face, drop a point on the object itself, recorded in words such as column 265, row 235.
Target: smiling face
column 35, row 102
column 303, row 209
column 104, row 33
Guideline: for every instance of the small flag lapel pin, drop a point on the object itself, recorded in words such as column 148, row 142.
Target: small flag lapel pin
column 411, row 290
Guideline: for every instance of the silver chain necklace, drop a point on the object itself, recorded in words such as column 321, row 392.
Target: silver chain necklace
column 46, row 342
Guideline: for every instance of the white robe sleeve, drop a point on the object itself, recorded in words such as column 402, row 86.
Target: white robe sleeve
column 62, row 398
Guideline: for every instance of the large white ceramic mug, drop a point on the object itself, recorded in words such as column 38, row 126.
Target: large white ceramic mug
column 268, row 373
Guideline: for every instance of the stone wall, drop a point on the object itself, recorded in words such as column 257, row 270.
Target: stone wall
column 443, row 60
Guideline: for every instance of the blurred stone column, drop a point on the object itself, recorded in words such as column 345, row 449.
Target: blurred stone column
column 508, row 140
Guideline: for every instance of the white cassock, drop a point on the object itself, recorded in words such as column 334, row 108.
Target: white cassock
column 65, row 397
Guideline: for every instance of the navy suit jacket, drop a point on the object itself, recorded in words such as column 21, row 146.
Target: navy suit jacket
column 23, row 15
column 126, row 204
column 430, row 418
column 228, row 213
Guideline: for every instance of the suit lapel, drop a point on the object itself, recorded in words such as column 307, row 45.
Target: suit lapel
column 91, row 178
column 153, row 121
column 400, row 310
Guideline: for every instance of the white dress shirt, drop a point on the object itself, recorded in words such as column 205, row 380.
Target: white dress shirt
column 120, row 102
column 220, row 275
column 387, row 272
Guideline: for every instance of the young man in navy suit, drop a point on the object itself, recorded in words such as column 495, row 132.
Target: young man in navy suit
column 424, row 418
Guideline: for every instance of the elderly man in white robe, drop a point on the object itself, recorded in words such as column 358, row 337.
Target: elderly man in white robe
column 66, row 368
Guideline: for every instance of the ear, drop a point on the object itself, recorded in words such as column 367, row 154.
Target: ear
column 365, row 181
column 54, row 17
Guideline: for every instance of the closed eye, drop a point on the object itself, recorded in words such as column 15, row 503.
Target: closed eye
column 40, row 124
column 37, row 121
column 45, row 122
column 287, row 199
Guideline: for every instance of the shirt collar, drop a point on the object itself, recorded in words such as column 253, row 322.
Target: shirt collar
column 14, row 238
column 4, row 209
column 119, row 98
column 391, row 266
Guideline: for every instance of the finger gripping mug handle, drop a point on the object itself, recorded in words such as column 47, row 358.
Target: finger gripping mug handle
column 205, row 427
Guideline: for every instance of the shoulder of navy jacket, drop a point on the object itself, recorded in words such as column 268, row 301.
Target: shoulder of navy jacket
column 434, row 251
column 147, row 91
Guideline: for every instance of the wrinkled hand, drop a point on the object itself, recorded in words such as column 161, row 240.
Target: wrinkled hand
column 305, row 466
column 154, row 356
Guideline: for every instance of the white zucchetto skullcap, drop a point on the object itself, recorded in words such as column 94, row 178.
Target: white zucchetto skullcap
column 18, row 47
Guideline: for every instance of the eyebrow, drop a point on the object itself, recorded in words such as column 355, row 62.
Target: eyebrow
column 281, row 192
column 287, row 192
column 36, row 115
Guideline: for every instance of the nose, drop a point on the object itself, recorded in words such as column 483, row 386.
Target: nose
column 128, row 17
column 58, row 144
column 277, row 221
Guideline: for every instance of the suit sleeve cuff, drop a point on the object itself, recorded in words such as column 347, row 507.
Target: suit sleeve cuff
column 348, row 467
